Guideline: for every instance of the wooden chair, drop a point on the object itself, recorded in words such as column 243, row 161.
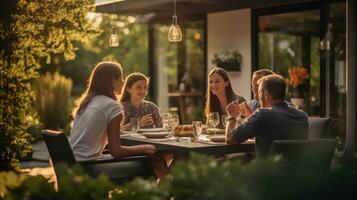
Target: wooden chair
column 307, row 156
column 128, row 167
column 319, row 128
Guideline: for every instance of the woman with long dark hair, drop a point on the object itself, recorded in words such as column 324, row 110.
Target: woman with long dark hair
column 219, row 93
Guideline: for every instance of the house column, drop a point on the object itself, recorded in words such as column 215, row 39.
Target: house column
column 351, row 58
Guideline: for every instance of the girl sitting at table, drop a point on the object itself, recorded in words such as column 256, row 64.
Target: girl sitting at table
column 97, row 117
column 219, row 93
column 134, row 92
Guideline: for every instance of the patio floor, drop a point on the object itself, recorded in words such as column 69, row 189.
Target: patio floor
column 39, row 165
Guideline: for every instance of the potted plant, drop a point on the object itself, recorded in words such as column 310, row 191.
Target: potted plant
column 297, row 79
column 229, row 60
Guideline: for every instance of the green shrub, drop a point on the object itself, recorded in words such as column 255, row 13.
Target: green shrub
column 74, row 184
column 53, row 98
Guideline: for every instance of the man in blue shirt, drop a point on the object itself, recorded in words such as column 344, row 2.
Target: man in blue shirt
column 254, row 103
column 276, row 120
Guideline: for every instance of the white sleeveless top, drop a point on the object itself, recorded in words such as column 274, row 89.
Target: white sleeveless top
column 89, row 132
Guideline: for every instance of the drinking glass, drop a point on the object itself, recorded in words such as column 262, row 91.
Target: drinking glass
column 134, row 122
column 197, row 129
column 165, row 120
column 174, row 121
column 214, row 118
column 224, row 120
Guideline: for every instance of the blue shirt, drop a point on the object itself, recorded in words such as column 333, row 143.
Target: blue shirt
column 254, row 105
column 280, row 122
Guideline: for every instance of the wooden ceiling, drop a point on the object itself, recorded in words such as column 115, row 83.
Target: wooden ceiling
column 164, row 8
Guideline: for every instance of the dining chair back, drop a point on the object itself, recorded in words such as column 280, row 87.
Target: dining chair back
column 308, row 156
column 319, row 127
column 58, row 147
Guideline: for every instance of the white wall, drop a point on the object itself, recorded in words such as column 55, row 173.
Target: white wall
column 230, row 31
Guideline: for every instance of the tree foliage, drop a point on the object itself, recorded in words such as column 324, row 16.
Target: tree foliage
column 30, row 32
column 132, row 52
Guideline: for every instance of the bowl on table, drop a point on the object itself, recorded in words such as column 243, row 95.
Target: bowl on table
column 142, row 130
column 154, row 135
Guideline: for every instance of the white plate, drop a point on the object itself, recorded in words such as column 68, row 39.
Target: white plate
column 155, row 134
column 217, row 138
column 126, row 132
column 152, row 130
column 217, row 131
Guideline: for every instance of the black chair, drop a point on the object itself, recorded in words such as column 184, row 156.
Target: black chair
column 306, row 156
column 127, row 167
column 319, row 128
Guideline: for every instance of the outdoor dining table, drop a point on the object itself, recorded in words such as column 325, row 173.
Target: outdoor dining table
column 185, row 146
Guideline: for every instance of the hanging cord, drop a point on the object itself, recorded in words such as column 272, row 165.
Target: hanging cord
column 174, row 7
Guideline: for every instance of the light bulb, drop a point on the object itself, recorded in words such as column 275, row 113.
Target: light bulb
column 114, row 38
column 175, row 34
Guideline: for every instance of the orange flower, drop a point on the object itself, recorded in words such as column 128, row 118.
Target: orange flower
column 297, row 76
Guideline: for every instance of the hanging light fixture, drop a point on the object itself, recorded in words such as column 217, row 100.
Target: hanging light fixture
column 114, row 37
column 175, row 34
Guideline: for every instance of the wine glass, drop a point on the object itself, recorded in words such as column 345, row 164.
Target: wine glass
column 224, row 120
column 134, row 122
column 165, row 120
column 174, row 121
column 197, row 129
column 214, row 119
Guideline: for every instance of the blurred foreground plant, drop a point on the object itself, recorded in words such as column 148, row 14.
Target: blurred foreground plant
column 199, row 177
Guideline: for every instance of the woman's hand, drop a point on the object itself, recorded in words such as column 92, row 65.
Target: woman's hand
column 148, row 149
column 147, row 120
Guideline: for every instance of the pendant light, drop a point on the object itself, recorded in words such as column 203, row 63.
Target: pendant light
column 114, row 37
column 175, row 34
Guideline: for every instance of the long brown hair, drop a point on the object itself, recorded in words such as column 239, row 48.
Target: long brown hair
column 100, row 82
column 212, row 103
column 129, row 82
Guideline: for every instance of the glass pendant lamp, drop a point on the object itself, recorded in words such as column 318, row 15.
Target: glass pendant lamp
column 114, row 38
column 175, row 34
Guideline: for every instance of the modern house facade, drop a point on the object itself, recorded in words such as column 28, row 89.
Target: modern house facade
column 319, row 36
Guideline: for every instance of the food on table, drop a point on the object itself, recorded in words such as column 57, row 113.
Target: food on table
column 183, row 131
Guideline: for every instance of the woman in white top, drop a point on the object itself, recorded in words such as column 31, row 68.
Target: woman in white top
column 97, row 117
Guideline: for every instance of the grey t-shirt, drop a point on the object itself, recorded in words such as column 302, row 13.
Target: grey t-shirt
column 89, row 132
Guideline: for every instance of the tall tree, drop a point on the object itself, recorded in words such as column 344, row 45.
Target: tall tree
column 32, row 31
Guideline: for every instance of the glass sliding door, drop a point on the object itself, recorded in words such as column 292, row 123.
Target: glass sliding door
column 290, row 40
column 313, row 36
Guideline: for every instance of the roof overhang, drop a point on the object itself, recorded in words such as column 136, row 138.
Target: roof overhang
column 164, row 8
